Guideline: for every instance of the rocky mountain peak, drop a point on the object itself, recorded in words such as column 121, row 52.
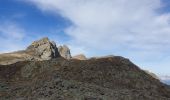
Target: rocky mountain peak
column 44, row 48
column 40, row 42
column 39, row 50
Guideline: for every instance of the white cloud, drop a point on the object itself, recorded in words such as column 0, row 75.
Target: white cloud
column 11, row 30
column 105, row 23
column 11, row 37
column 115, row 26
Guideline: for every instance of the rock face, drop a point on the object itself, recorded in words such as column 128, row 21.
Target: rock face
column 44, row 49
column 64, row 51
column 39, row 50
column 80, row 57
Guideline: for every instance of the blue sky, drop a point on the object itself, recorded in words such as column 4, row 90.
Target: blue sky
column 136, row 29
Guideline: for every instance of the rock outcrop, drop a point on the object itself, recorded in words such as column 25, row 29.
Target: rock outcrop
column 80, row 57
column 44, row 49
column 64, row 51
column 39, row 50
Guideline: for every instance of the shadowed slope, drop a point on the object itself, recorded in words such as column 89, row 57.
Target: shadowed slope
column 94, row 79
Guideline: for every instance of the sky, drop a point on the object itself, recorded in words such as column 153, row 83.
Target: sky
column 136, row 29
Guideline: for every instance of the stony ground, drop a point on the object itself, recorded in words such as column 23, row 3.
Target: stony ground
column 112, row 78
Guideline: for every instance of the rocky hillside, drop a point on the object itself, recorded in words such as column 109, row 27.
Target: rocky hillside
column 103, row 78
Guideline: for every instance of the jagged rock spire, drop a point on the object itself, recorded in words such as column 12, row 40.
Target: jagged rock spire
column 64, row 52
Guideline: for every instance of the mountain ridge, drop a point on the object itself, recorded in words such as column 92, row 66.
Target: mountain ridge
column 97, row 78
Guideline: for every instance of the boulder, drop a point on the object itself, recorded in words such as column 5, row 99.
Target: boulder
column 64, row 51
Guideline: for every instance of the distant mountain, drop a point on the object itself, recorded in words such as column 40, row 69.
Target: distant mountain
column 167, row 82
column 165, row 79
column 50, row 76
